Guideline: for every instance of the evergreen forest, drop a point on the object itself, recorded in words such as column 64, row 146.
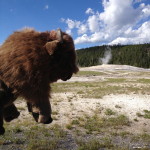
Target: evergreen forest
column 134, row 55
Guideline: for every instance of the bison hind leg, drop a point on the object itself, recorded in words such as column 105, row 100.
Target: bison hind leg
column 2, row 130
column 10, row 113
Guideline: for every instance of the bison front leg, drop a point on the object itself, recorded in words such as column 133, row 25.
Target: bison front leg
column 10, row 113
column 2, row 130
column 44, row 112
column 41, row 111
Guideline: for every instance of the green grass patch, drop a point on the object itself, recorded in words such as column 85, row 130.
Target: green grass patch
column 69, row 126
column 145, row 114
column 35, row 144
column 75, row 122
column 144, row 137
column 32, row 137
column 145, row 81
column 116, row 80
column 98, row 123
column 98, row 89
column 94, row 144
column 109, row 112
column 42, row 138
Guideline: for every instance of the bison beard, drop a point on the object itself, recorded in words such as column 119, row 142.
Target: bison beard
column 29, row 62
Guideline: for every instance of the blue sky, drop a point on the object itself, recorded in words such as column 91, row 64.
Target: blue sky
column 90, row 22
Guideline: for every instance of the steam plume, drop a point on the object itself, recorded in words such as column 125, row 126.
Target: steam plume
column 107, row 56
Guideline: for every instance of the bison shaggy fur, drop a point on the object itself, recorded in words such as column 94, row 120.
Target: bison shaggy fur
column 29, row 62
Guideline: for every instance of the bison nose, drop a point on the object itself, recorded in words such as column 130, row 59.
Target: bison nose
column 67, row 77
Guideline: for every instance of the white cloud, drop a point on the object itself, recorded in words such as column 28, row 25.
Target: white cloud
column 93, row 23
column 120, row 22
column 72, row 24
column 95, row 37
column 141, row 35
column 82, row 29
column 82, row 39
column 146, row 10
column 69, row 31
column 89, row 11
column 119, row 13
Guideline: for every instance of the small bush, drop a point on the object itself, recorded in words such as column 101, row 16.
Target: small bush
column 109, row 112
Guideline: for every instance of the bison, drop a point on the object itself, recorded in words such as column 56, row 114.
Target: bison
column 29, row 62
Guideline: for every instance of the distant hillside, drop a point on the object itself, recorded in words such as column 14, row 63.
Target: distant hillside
column 134, row 55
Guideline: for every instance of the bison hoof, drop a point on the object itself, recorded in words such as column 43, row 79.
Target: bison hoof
column 44, row 119
column 10, row 117
column 49, row 121
column 2, row 130
column 41, row 118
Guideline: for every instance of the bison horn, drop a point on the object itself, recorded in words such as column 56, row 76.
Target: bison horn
column 59, row 35
column 52, row 46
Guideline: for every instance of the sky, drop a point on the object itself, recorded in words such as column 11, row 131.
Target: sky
column 89, row 22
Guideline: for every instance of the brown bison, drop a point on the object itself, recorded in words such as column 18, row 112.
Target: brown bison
column 29, row 62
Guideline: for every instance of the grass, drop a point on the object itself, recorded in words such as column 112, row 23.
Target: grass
column 145, row 137
column 49, row 137
column 42, row 145
column 98, row 89
column 145, row 81
column 145, row 114
column 124, row 134
column 109, row 112
column 75, row 122
column 139, row 114
column 94, row 144
column 116, row 80
column 35, row 137
column 69, row 126
column 97, row 123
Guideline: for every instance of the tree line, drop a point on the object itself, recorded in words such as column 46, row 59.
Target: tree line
column 134, row 55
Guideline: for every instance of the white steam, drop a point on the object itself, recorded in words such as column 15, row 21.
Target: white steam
column 107, row 56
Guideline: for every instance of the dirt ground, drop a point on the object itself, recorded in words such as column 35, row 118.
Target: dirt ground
column 129, row 104
column 68, row 106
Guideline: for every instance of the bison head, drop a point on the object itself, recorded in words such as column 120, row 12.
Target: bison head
column 63, row 57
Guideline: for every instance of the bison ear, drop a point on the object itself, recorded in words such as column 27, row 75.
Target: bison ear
column 52, row 46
